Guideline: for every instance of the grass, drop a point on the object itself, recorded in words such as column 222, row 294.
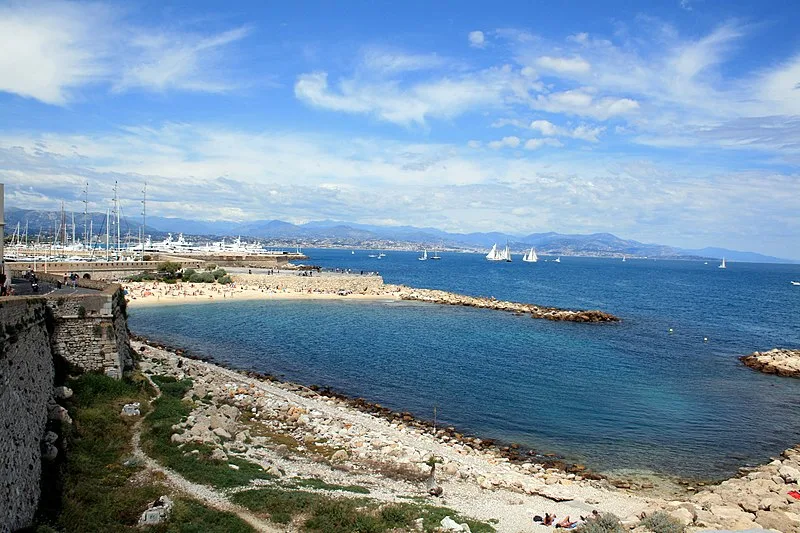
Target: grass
column 198, row 467
column 605, row 523
column 323, row 514
column 313, row 483
column 99, row 491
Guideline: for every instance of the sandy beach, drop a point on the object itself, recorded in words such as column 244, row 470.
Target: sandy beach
column 282, row 286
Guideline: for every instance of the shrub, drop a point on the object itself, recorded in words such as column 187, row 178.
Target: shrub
column 218, row 273
column 661, row 522
column 188, row 273
column 81, row 311
column 224, row 280
column 605, row 523
column 202, row 277
column 170, row 268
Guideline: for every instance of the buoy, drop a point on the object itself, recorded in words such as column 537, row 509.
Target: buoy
column 670, row 330
column 705, row 339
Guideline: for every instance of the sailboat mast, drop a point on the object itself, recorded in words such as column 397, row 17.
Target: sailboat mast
column 144, row 217
column 73, row 227
column 108, row 232
column 86, row 232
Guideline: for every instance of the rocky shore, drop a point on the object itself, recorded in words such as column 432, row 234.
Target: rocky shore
column 780, row 361
column 294, row 432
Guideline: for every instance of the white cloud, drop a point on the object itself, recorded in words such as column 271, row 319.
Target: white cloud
column 562, row 65
column 476, row 39
column 535, row 144
column 546, row 128
column 474, row 144
column 505, row 142
column 52, row 49
column 388, row 61
column 582, row 102
column 443, row 97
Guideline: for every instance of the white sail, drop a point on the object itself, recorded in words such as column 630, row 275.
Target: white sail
column 506, row 256
column 722, row 265
column 424, row 256
column 493, row 254
column 531, row 256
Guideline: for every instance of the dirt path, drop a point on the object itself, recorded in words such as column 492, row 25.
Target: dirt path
column 205, row 494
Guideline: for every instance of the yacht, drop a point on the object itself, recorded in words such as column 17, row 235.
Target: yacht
column 424, row 256
column 531, row 256
column 722, row 265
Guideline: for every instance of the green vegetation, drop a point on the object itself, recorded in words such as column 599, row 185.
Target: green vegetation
column 661, row 522
column 605, row 523
column 321, row 513
column 193, row 461
column 318, row 484
column 100, row 492
column 169, row 268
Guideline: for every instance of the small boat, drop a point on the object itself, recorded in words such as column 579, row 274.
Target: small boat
column 424, row 256
column 381, row 255
column 531, row 256
column 435, row 256
column 353, row 252
column 506, row 255
column 372, row 255
column 722, row 265
column 795, row 283
column 623, row 258
column 558, row 260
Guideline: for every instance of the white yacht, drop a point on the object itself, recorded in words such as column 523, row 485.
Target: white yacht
column 424, row 256
column 722, row 265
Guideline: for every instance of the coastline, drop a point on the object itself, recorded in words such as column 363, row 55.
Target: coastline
column 388, row 452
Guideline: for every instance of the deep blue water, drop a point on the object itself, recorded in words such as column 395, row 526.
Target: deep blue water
column 615, row 396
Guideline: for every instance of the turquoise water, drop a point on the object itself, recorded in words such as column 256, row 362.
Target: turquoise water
column 629, row 395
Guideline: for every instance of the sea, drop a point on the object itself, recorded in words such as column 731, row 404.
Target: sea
column 660, row 393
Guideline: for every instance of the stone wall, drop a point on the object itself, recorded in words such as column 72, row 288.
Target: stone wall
column 26, row 384
column 91, row 331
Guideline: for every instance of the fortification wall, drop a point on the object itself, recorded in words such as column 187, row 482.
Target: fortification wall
column 26, row 385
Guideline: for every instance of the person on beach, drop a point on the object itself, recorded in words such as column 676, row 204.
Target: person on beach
column 566, row 524
column 548, row 519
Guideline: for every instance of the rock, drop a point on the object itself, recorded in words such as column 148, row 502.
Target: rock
column 749, row 504
column 418, row 524
column 219, row 455
column 778, row 521
column 50, row 437
column 49, row 452
column 682, row 515
column 220, row 432
column 57, row 413
column 772, row 503
column 339, row 455
column 448, row 524
column 274, row 471
column 177, row 438
column 789, row 474
column 233, row 466
column 450, row 469
column 131, row 409
column 62, row 393
column 157, row 512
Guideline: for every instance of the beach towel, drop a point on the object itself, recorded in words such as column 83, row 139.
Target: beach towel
column 794, row 494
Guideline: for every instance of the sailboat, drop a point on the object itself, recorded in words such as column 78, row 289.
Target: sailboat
column 722, row 265
column 424, row 256
column 531, row 256
column 623, row 258
column 435, row 255
column 352, row 252
column 494, row 255
column 795, row 283
column 558, row 260
column 505, row 255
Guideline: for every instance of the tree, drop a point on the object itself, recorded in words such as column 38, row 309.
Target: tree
column 170, row 268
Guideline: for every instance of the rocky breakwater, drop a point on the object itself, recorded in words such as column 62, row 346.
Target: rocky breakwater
column 780, row 361
column 535, row 311
column 318, row 283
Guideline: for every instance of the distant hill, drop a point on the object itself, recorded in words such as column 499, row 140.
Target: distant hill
column 340, row 233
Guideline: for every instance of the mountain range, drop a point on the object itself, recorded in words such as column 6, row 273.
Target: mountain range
column 339, row 233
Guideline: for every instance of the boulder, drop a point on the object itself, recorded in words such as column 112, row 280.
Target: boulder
column 789, row 474
column 62, row 393
column 448, row 524
column 220, row 432
column 157, row 512
column 340, row 455
column 749, row 504
column 57, row 413
column 682, row 515
column 131, row 409
column 49, row 452
column 219, row 455
column 772, row 503
column 778, row 521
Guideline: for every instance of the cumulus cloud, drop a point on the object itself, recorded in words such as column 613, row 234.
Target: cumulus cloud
column 535, row 144
column 476, row 39
column 505, row 142
column 55, row 48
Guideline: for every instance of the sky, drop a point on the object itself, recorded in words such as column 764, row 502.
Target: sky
column 674, row 122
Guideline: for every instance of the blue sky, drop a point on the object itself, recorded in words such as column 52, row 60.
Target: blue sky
column 675, row 122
